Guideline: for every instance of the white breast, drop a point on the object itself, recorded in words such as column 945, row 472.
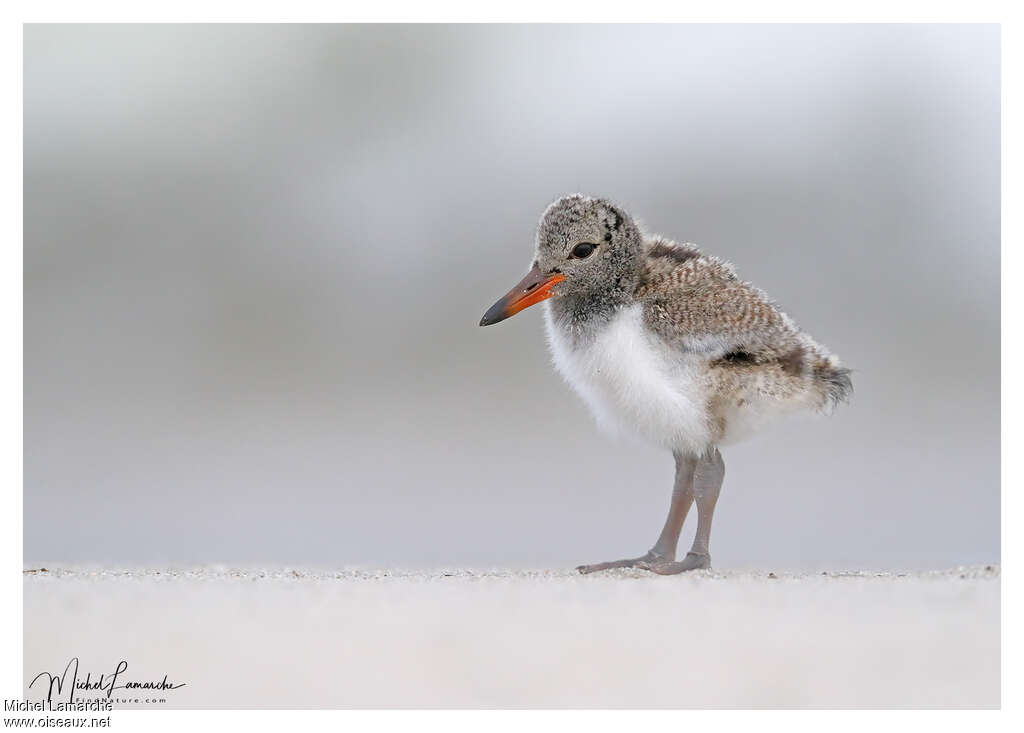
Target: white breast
column 632, row 382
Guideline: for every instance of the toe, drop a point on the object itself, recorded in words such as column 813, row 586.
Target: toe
column 633, row 562
column 696, row 561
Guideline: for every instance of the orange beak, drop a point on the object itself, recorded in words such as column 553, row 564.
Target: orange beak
column 532, row 289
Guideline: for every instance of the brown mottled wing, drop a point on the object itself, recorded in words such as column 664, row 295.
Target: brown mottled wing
column 697, row 303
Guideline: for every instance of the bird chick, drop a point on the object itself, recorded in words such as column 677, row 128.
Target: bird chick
column 666, row 342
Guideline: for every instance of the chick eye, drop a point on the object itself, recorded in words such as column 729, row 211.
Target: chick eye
column 583, row 250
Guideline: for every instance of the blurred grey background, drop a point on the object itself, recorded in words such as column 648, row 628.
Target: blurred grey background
column 255, row 258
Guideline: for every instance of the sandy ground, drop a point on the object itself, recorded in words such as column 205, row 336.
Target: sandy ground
column 293, row 638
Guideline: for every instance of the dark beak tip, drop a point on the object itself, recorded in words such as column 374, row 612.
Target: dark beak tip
column 494, row 314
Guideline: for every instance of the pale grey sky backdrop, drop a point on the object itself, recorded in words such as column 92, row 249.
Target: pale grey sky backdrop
column 255, row 258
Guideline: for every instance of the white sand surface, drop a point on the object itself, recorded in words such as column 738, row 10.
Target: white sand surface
column 291, row 638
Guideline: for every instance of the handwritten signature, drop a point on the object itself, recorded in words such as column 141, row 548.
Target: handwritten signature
column 106, row 683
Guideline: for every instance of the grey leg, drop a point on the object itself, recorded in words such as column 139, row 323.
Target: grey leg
column 664, row 550
column 707, row 483
column 706, row 487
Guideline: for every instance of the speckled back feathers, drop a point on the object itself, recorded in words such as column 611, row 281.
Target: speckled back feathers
column 698, row 303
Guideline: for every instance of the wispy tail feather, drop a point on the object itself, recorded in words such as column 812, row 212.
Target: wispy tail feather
column 836, row 385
